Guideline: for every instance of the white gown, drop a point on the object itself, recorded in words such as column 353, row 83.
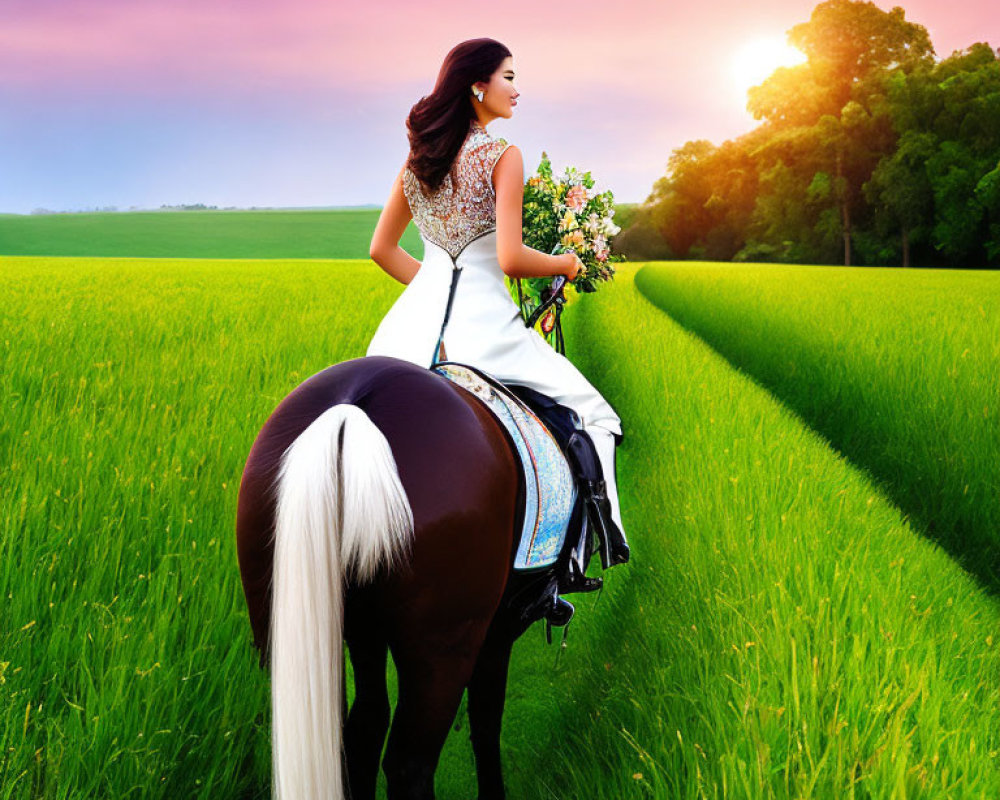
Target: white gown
column 485, row 329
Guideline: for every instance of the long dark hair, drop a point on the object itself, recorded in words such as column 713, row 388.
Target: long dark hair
column 438, row 123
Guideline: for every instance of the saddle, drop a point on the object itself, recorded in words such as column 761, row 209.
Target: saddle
column 556, row 456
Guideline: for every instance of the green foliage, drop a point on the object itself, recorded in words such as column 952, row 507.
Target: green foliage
column 640, row 240
column 625, row 214
column 988, row 195
column 953, row 172
column 900, row 190
column 848, row 42
column 884, row 148
column 783, row 222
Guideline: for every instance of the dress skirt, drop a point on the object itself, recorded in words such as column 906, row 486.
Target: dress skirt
column 485, row 330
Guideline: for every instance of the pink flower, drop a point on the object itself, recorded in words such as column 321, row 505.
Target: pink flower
column 576, row 197
column 601, row 249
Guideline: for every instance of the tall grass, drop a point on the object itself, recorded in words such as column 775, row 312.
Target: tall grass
column 898, row 369
column 132, row 391
column 780, row 627
column 780, row 631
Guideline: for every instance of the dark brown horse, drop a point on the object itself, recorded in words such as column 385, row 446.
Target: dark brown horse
column 378, row 506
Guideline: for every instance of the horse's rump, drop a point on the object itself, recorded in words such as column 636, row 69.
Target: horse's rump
column 453, row 461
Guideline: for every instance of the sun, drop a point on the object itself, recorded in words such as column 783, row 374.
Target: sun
column 756, row 59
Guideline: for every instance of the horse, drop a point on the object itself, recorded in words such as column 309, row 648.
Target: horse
column 378, row 507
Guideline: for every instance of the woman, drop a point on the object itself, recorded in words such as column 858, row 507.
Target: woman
column 463, row 188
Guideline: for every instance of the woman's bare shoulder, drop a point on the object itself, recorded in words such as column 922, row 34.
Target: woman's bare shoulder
column 509, row 164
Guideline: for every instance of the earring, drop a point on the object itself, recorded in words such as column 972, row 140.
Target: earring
column 479, row 94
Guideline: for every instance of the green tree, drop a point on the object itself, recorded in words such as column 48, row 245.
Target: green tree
column 833, row 106
column 869, row 149
column 948, row 118
column 901, row 192
column 848, row 43
column 988, row 194
column 679, row 198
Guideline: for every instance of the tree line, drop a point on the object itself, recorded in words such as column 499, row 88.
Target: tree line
column 871, row 151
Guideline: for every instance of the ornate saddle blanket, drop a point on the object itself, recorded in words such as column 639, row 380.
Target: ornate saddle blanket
column 550, row 489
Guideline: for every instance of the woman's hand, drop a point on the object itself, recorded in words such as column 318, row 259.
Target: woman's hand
column 573, row 267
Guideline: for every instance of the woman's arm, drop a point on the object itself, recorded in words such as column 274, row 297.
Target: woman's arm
column 517, row 259
column 385, row 250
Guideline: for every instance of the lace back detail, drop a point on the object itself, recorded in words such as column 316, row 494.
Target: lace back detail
column 464, row 209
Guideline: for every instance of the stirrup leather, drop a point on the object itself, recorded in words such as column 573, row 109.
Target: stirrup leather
column 614, row 549
column 593, row 489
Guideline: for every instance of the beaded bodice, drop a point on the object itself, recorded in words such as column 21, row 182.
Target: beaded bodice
column 464, row 206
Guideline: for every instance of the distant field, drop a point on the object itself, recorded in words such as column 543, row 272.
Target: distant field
column 782, row 631
column 899, row 369
column 199, row 234
column 340, row 233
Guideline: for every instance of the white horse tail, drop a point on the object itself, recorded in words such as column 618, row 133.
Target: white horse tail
column 341, row 513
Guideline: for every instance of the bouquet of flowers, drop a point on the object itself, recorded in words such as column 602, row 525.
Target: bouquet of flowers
column 561, row 214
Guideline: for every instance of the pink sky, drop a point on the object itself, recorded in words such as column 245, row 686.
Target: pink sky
column 302, row 103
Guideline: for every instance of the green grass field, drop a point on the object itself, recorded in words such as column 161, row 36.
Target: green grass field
column 293, row 233
column 782, row 630
column 898, row 369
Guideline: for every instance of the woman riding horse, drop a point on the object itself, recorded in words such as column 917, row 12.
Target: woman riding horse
column 380, row 501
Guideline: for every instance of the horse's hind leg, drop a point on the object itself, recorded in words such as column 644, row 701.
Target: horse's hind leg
column 430, row 690
column 487, row 694
column 368, row 720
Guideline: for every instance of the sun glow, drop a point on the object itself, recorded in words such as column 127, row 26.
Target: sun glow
column 755, row 60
